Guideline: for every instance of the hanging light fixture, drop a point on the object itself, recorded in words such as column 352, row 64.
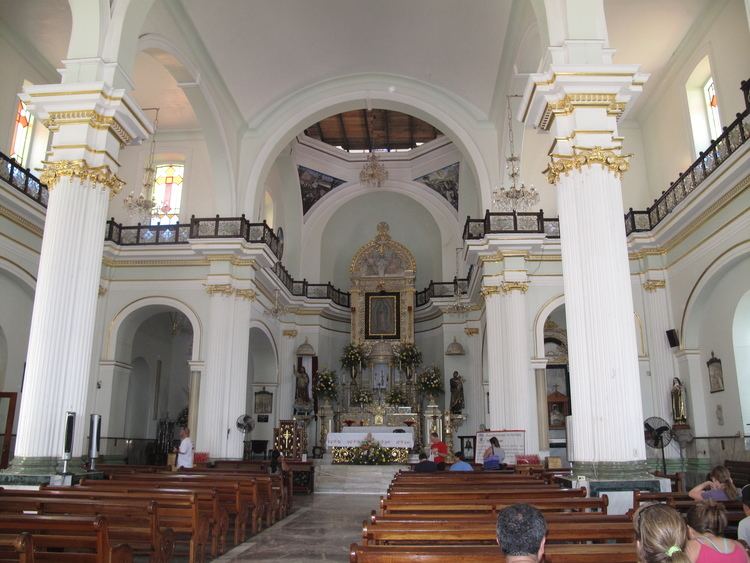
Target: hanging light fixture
column 278, row 309
column 513, row 197
column 140, row 207
column 373, row 173
column 458, row 306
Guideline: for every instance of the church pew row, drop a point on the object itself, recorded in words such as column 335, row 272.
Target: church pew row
column 209, row 505
column 109, row 468
column 456, row 493
column 556, row 553
column 449, row 517
column 71, row 538
column 740, row 471
column 190, row 515
column 484, row 532
column 16, row 548
column 428, row 505
column 130, row 521
column 240, row 494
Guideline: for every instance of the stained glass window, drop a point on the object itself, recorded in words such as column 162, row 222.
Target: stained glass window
column 712, row 108
column 167, row 193
column 19, row 147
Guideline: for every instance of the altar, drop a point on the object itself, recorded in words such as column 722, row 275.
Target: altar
column 354, row 439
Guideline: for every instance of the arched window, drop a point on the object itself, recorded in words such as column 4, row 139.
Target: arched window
column 21, row 139
column 167, row 193
column 703, row 106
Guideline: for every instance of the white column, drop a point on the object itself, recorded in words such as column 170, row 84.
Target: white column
column 89, row 123
column 236, row 389
column 196, row 370
column 661, row 358
column 605, row 383
column 540, row 376
column 476, row 402
column 493, row 310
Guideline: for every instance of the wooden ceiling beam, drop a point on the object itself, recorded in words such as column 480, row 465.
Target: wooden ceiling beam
column 387, row 131
column 347, row 145
column 320, row 132
column 367, row 129
column 412, row 144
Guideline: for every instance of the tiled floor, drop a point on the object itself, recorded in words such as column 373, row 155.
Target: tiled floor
column 321, row 528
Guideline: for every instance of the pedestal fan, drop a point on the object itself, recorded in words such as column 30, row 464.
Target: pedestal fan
column 658, row 434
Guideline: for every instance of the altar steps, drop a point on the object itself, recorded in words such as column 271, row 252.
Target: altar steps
column 354, row 479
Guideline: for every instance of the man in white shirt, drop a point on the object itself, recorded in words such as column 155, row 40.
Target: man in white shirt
column 185, row 451
column 743, row 529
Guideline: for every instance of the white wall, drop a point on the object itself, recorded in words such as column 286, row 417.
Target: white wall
column 741, row 341
column 15, row 321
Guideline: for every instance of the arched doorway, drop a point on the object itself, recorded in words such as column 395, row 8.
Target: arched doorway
column 557, row 382
column 741, row 342
column 262, row 385
column 150, row 379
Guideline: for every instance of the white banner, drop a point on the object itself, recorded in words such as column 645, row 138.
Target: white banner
column 513, row 443
column 354, row 439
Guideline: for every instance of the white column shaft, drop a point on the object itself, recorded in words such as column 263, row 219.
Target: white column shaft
column 605, row 385
column 236, row 386
column 58, row 364
column 193, row 403
column 661, row 360
column 496, row 419
column 287, row 365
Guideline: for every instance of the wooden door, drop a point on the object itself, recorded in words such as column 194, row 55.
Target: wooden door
column 7, row 415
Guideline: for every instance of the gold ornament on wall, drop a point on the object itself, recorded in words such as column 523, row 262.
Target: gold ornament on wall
column 563, row 164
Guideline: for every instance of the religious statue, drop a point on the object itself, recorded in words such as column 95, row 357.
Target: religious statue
column 457, row 393
column 301, row 390
column 679, row 411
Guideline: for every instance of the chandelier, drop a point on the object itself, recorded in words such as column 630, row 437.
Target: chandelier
column 513, row 197
column 458, row 306
column 278, row 309
column 373, row 173
column 140, row 207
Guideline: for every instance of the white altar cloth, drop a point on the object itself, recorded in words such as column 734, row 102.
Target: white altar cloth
column 375, row 429
column 354, row 439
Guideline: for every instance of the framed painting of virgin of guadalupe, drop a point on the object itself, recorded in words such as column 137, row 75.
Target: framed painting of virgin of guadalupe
column 382, row 315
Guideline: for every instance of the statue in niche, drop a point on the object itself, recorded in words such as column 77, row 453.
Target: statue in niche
column 301, row 389
column 679, row 410
column 457, row 393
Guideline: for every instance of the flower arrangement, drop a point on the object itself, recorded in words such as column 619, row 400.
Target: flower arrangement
column 396, row 398
column 361, row 397
column 430, row 380
column 325, row 384
column 200, row 457
column 407, row 355
column 370, row 452
column 354, row 356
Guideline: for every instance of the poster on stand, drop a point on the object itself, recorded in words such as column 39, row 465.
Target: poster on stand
column 513, row 443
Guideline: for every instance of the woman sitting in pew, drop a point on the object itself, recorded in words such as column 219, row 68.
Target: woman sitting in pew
column 706, row 522
column 718, row 487
column 661, row 534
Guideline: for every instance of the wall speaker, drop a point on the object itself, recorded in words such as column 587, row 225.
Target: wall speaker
column 674, row 340
column 70, row 422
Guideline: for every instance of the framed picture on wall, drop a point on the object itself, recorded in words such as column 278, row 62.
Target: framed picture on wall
column 468, row 447
column 263, row 402
column 715, row 374
column 382, row 315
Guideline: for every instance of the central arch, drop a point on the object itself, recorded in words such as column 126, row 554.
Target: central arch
column 463, row 123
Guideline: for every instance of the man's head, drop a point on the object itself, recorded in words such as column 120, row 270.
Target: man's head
column 184, row 432
column 520, row 531
column 434, row 437
column 459, row 456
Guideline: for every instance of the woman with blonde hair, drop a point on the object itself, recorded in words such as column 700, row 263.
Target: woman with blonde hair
column 706, row 522
column 718, row 487
column 661, row 535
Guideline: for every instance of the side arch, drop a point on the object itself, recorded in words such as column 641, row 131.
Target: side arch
column 540, row 319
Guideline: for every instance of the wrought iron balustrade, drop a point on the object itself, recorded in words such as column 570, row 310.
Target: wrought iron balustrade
column 459, row 286
column 23, row 180
column 511, row 222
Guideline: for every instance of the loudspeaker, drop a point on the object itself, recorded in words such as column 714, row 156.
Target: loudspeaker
column 674, row 340
column 70, row 422
column 95, row 430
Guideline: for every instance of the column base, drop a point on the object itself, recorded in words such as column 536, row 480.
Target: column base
column 45, row 471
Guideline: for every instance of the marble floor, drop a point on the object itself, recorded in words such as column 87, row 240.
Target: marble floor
column 321, row 528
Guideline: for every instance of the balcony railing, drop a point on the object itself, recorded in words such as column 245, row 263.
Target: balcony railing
column 311, row 290
column 459, row 286
column 511, row 222
column 23, row 180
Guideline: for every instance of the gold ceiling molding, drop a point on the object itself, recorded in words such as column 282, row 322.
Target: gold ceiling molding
column 91, row 118
column 21, row 222
column 568, row 104
column 87, row 148
column 564, row 164
column 290, row 333
column 501, row 255
column 97, row 175
column 471, row 331
column 118, row 263
column 490, row 290
column 653, row 285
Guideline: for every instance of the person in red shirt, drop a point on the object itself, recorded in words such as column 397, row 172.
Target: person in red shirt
column 438, row 448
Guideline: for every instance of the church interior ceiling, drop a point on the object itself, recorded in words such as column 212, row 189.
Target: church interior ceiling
column 314, row 185
column 444, row 182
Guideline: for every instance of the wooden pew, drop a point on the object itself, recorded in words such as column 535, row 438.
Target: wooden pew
column 16, row 547
column 478, row 532
column 558, row 553
column 178, row 510
column 449, row 494
column 425, row 505
column 449, row 517
column 209, row 505
column 81, row 538
column 740, row 472
column 240, row 495
column 131, row 521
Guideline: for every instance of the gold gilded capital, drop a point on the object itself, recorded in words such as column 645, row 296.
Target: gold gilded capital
column 653, row 285
column 570, row 102
column 290, row 333
column 97, row 175
column 220, row 289
column 563, row 164
column 471, row 331
column 507, row 287
column 248, row 294
column 489, row 290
